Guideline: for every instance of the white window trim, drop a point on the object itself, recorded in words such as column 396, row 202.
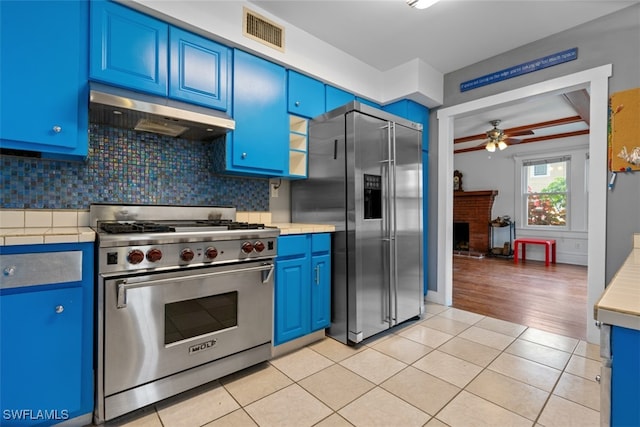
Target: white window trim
column 520, row 196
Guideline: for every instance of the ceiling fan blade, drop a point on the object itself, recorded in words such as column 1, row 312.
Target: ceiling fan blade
column 519, row 133
column 511, row 141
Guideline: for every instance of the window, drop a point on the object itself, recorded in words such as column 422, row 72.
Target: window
column 546, row 198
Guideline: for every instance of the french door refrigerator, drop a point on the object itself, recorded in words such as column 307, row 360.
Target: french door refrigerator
column 365, row 177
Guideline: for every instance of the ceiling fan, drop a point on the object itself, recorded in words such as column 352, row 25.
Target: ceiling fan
column 498, row 138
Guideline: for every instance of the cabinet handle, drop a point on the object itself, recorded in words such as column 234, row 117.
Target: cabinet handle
column 59, row 309
column 297, row 103
column 598, row 379
column 57, row 129
column 10, row 271
column 244, row 155
column 317, row 274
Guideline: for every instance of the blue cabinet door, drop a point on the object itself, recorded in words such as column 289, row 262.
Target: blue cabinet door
column 625, row 376
column 320, row 292
column 305, row 95
column 198, row 70
column 291, row 299
column 259, row 144
column 303, row 286
column 128, row 48
column 46, row 335
column 41, row 352
column 43, row 63
column 335, row 97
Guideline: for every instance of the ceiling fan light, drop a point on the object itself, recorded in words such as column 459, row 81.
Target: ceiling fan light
column 502, row 145
column 491, row 146
column 421, row 4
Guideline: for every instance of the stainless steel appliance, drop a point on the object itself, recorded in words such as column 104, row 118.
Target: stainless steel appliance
column 364, row 178
column 150, row 113
column 184, row 296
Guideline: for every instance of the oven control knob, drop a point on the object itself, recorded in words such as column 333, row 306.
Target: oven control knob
column 136, row 256
column 247, row 247
column 154, row 255
column 187, row 254
column 211, row 252
column 258, row 246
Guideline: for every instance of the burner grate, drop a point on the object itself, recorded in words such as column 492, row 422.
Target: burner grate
column 135, row 227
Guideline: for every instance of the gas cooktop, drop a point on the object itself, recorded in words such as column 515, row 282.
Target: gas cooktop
column 118, row 227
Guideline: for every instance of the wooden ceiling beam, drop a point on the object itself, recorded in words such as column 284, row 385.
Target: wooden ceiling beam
column 529, row 140
column 541, row 125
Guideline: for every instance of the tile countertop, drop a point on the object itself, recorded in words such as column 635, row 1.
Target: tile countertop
column 620, row 303
column 44, row 226
column 38, row 226
column 293, row 228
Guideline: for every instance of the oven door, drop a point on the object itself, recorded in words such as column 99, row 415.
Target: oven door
column 160, row 324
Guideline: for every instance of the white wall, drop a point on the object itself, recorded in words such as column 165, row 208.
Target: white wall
column 497, row 171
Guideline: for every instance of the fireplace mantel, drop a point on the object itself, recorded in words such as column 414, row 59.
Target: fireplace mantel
column 488, row 193
column 474, row 208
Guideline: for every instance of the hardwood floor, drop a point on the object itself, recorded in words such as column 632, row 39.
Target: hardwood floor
column 550, row 298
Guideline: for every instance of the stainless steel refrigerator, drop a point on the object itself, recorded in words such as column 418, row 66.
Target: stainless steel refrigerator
column 365, row 178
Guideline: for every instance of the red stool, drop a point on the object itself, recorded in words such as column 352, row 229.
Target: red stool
column 550, row 244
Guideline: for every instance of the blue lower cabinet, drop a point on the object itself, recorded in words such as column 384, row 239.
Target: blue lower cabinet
column 303, row 286
column 625, row 376
column 46, row 364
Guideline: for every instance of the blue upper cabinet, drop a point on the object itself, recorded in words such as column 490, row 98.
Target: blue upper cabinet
column 305, row 95
column 43, row 63
column 128, row 48
column 135, row 51
column 367, row 102
column 259, row 144
column 335, row 97
column 415, row 112
column 198, row 69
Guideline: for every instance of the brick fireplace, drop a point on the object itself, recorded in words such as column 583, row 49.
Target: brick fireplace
column 474, row 208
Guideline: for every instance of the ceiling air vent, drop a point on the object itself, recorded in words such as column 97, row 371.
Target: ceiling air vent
column 260, row 29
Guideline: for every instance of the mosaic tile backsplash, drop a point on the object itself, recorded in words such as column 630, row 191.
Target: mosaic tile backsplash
column 129, row 167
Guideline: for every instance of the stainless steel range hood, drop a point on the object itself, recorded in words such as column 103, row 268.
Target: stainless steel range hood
column 136, row 111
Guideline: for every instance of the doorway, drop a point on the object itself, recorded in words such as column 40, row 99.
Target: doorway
column 596, row 81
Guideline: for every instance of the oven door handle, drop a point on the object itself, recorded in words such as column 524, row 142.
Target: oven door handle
column 267, row 270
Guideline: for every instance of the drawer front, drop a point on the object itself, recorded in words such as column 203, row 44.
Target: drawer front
column 320, row 242
column 36, row 269
column 293, row 246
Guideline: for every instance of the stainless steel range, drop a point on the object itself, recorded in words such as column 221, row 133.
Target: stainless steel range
column 184, row 296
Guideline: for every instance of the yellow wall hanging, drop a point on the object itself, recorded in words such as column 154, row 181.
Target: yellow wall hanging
column 624, row 131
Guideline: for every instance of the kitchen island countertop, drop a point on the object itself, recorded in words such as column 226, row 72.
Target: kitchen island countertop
column 619, row 304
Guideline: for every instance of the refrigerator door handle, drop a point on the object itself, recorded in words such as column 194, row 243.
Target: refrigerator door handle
column 394, row 225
